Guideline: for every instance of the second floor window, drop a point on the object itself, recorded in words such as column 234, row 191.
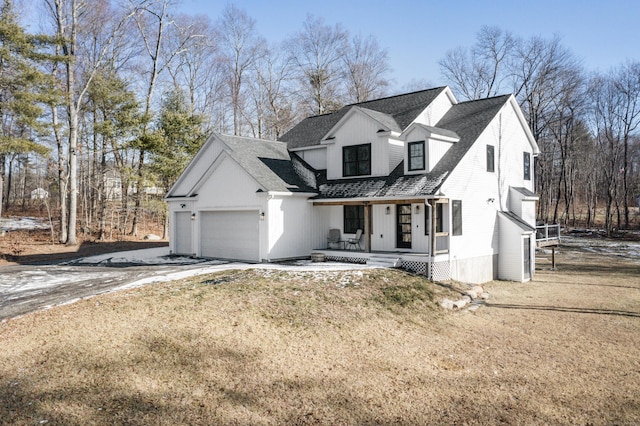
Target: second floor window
column 526, row 160
column 356, row 160
column 490, row 158
column 416, row 155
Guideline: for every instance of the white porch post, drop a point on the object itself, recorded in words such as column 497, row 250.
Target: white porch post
column 367, row 227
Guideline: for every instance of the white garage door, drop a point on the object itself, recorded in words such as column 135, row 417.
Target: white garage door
column 182, row 233
column 230, row 235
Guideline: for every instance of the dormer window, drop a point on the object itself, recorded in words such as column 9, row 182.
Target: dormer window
column 356, row 160
column 416, row 155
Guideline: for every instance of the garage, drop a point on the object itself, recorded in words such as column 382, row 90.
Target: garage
column 183, row 233
column 230, row 235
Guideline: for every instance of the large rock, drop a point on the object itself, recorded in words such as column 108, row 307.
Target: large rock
column 152, row 237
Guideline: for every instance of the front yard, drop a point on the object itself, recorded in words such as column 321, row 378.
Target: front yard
column 370, row 347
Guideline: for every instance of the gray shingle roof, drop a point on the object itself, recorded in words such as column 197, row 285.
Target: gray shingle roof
column 269, row 163
column 524, row 191
column 518, row 221
column 403, row 109
column 466, row 120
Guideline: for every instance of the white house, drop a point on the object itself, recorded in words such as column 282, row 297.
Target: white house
column 438, row 186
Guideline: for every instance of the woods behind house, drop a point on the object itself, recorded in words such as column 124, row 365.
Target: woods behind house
column 103, row 103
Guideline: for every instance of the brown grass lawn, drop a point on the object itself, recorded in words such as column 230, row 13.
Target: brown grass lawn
column 372, row 347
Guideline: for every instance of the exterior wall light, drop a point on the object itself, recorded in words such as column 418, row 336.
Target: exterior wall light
column 261, row 215
column 417, row 209
column 387, row 210
column 193, row 216
column 182, row 206
column 491, row 200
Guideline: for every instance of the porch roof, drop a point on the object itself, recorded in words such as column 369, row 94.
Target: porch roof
column 396, row 185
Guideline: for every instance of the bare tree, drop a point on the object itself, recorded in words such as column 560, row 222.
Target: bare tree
column 67, row 17
column 152, row 18
column 240, row 47
column 317, row 51
column 366, row 66
column 480, row 71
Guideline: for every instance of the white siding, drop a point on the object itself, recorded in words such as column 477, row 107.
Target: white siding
column 229, row 187
column 295, row 227
column 359, row 129
column 210, row 151
column 437, row 109
column 482, row 192
column 316, row 157
column 396, row 152
column 436, row 150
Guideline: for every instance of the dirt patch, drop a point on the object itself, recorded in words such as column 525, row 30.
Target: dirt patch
column 356, row 347
column 35, row 246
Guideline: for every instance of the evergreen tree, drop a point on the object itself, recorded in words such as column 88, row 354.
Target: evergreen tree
column 177, row 138
column 24, row 88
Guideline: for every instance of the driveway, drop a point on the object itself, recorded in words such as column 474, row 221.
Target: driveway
column 29, row 288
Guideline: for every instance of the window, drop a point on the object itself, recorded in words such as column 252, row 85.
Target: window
column 416, row 155
column 527, row 166
column 353, row 219
column 456, row 216
column 490, row 159
column 356, row 160
column 439, row 217
column 439, row 214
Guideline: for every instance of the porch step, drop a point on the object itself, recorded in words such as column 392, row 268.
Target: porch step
column 385, row 262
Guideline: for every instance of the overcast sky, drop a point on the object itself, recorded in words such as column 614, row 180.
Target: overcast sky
column 417, row 34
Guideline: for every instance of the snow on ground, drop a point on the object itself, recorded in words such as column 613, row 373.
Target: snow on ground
column 151, row 256
column 607, row 247
column 24, row 223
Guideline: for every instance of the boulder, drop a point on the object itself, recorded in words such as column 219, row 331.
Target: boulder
column 152, row 237
column 446, row 304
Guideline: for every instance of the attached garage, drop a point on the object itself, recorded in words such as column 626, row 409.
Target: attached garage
column 230, row 235
column 182, row 235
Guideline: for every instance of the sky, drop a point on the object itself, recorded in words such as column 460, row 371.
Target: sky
column 417, row 34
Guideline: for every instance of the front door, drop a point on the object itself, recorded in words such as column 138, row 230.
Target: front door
column 403, row 215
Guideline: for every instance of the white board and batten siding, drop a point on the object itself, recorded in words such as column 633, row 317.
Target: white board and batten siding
column 511, row 265
column 359, row 129
column 316, row 156
column 437, row 109
column 487, row 192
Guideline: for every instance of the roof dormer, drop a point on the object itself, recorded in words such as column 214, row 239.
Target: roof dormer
column 425, row 146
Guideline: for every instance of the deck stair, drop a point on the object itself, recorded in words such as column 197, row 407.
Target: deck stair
column 384, row 262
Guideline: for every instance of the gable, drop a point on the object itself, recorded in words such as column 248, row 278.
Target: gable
column 403, row 108
column 267, row 162
column 227, row 185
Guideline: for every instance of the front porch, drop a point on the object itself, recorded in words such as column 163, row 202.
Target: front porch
column 435, row 268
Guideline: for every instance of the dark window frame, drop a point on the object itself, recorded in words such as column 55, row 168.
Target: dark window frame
column 411, row 157
column 357, row 166
column 354, row 220
column 456, row 217
column 526, row 165
column 491, row 159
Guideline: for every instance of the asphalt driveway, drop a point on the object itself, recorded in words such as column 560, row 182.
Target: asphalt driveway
column 29, row 288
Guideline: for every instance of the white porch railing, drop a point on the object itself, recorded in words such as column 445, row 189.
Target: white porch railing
column 548, row 233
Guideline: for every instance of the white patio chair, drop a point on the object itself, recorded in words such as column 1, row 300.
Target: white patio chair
column 334, row 238
column 355, row 241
